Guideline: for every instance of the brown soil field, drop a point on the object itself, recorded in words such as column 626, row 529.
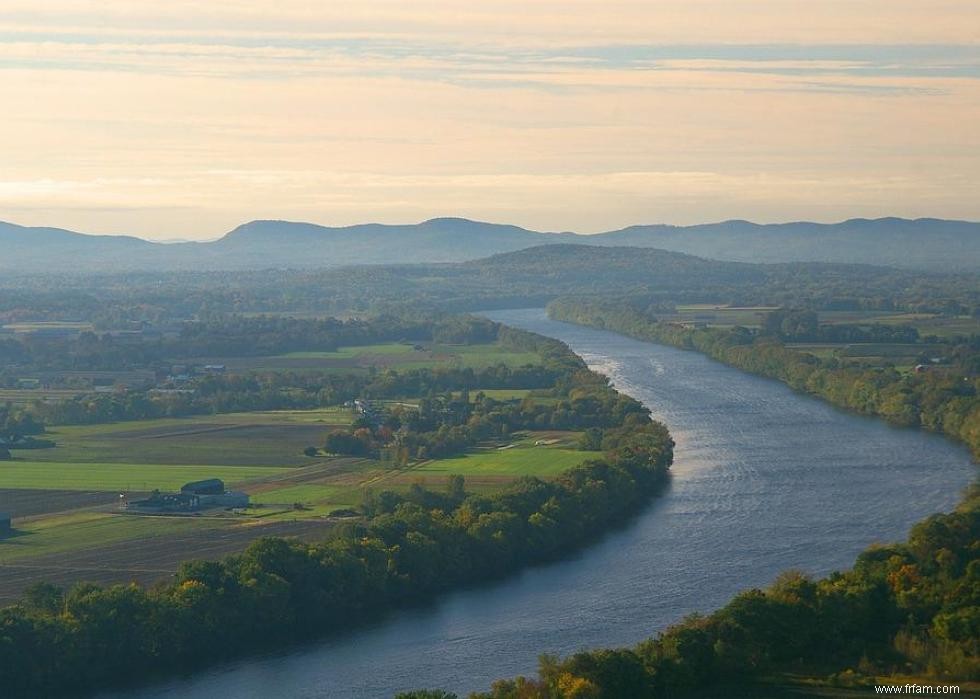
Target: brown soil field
column 19, row 502
column 146, row 561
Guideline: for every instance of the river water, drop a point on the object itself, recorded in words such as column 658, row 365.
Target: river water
column 764, row 480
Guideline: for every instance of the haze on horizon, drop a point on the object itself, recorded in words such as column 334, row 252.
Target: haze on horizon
column 182, row 119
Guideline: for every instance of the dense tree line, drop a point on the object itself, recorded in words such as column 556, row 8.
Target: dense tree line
column 946, row 401
column 802, row 325
column 283, row 390
column 235, row 336
column 16, row 424
column 904, row 609
column 409, row 547
column 520, row 279
column 449, row 424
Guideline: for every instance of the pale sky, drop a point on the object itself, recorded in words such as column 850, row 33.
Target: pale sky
column 183, row 119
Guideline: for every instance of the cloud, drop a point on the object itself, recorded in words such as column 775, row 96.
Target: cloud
column 580, row 115
column 515, row 21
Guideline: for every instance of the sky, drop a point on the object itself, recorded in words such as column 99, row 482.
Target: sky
column 181, row 119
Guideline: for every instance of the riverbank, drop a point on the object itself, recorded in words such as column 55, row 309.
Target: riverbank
column 946, row 402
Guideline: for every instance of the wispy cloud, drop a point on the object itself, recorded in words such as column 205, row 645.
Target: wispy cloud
column 574, row 114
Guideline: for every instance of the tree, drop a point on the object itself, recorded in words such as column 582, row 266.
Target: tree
column 343, row 442
column 456, row 489
column 310, row 451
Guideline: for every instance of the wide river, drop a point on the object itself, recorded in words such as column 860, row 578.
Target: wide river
column 764, row 480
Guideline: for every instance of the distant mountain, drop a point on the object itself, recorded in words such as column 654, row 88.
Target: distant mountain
column 284, row 243
column 924, row 244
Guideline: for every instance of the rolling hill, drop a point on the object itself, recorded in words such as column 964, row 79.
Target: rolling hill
column 930, row 244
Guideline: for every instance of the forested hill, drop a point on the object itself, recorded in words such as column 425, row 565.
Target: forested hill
column 922, row 243
column 531, row 277
column 929, row 244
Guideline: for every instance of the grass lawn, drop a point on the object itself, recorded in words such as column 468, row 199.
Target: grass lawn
column 121, row 476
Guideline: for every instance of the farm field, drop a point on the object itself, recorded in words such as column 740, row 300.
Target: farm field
column 34, row 326
column 121, row 477
column 540, row 396
column 751, row 316
column 541, row 454
column 65, row 501
column 272, row 438
column 77, row 530
column 147, row 559
column 29, row 502
column 392, row 355
column 720, row 315
column 903, row 357
column 24, row 396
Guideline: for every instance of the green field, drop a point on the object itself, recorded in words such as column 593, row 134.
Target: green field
column 358, row 351
column 271, row 438
column 504, row 394
column 122, row 477
column 751, row 316
column 392, row 355
column 259, row 453
column 521, row 460
column 720, row 315
column 318, row 499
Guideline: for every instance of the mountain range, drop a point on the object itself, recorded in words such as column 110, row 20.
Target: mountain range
column 931, row 244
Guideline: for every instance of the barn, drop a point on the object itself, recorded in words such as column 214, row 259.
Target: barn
column 211, row 486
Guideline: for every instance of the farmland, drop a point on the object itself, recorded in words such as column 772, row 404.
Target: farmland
column 234, row 439
column 542, row 454
column 153, row 557
column 120, row 477
column 66, row 500
column 933, row 330
column 399, row 356
column 23, row 396
column 927, row 324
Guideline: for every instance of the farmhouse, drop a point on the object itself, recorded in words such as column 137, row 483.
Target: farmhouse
column 5, row 526
column 193, row 497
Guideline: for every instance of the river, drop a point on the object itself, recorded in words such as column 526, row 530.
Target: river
column 764, row 480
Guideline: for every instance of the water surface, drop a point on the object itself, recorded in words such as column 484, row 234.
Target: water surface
column 764, row 480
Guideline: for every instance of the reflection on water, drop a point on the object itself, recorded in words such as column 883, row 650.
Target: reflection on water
column 764, row 480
